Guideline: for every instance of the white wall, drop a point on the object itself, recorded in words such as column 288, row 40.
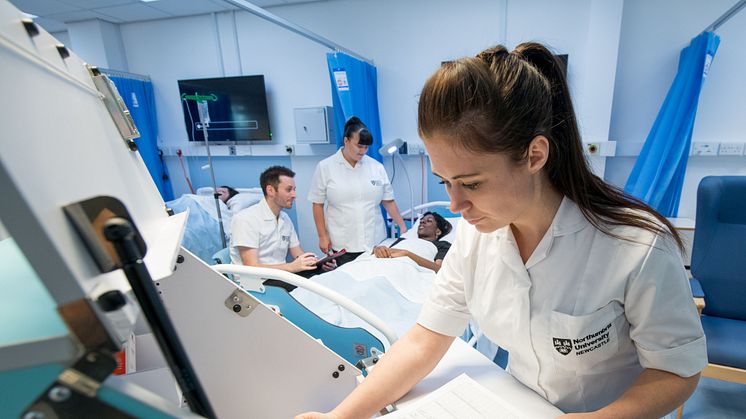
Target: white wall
column 586, row 30
column 407, row 40
column 99, row 43
column 653, row 34
column 63, row 37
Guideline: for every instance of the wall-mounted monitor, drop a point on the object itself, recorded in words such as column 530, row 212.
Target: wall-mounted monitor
column 236, row 108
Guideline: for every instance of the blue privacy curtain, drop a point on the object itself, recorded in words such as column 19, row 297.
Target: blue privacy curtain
column 658, row 175
column 355, row 93
column 138, row 96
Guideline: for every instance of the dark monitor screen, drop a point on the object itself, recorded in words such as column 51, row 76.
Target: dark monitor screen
column 237, row 109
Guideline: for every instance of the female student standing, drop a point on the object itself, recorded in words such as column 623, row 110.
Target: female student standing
column 353, row 186
column 584, row 286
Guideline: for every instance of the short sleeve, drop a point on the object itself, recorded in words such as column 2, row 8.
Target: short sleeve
column 445, row 309
column 294, row 242
column 443, row 247
column 317, row 191
column 388, row 190
column 664, row 323
column 244, row 232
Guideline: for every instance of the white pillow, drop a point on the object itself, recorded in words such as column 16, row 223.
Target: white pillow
column 244, row 200
column 207, row 190
column 450, row 237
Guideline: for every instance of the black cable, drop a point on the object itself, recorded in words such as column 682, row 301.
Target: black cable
column 121, row 234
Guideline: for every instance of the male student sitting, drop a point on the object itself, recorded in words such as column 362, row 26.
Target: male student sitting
column 262, row 234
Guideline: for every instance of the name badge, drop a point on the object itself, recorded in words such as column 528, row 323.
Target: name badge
column 376, row 182
column 285, row 238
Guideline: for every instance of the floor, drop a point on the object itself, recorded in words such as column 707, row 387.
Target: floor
column 715, row 399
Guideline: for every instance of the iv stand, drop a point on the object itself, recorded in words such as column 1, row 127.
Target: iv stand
column 204, row 120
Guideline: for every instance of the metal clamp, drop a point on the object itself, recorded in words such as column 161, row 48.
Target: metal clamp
column 240, row 303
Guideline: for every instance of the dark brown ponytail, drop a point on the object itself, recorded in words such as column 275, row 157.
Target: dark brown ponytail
column 499, row 101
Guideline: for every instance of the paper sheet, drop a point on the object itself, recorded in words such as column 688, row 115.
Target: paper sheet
column 461, row 397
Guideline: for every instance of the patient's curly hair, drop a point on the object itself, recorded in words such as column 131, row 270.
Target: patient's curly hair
column 443, row 225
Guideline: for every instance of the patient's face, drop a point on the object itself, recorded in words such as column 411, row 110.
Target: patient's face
column 223, row 192
column 284, row 196
column 489, row 190
column 428, row 228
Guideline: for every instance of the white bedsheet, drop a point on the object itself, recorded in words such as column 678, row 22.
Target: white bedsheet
column 393, row 289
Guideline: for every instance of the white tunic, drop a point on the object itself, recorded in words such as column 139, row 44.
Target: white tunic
column 353, row 196
column 583, row 316
column 258, row 228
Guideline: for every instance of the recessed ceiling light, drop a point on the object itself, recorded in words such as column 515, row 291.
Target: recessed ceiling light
column 148, row 1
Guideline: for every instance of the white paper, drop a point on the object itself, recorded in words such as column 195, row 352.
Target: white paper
column 340, row 76
column 461, row 397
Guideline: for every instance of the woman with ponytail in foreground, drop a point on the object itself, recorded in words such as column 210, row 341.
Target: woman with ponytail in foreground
column 584, row 286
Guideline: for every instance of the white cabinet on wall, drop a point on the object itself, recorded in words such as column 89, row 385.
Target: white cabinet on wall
column 314, row 125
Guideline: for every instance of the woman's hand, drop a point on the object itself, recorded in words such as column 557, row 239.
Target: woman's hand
column 329, row 266
column 382, row 252
column 325, row 244
column 304, row 262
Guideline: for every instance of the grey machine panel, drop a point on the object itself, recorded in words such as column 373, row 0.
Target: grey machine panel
column 259, row 365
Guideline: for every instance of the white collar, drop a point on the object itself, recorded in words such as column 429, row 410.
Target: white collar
column 341, row 159
column 568, row 219
column 266, row 211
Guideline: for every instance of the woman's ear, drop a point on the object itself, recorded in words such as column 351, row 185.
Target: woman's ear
column 438, row 233
column 538, row 153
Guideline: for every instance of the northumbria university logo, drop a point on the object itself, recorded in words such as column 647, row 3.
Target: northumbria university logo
column 563, row 346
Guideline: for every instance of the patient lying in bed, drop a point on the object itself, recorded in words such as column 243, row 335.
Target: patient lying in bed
column 432, row 228
column 391, row 287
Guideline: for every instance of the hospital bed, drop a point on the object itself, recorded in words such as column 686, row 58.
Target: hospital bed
column 354, row 344
column 392, row 289
column 380, row 298
column 202, row 233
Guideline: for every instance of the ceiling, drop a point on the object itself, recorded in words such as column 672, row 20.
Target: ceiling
column 52, row 15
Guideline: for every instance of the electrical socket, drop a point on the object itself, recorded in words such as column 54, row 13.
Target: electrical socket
column 702, row 148
column 415, row 148
column 731, row 149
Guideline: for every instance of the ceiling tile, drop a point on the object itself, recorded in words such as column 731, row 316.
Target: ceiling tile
column 227, row 5
column 260, row 3
column 300, row 1
column 91, row 4
column 74, row 16
column 50, row 25
column 192, row 7
column 112, row 19
column 43, row 7
column 132, row 12
column 268, row 3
